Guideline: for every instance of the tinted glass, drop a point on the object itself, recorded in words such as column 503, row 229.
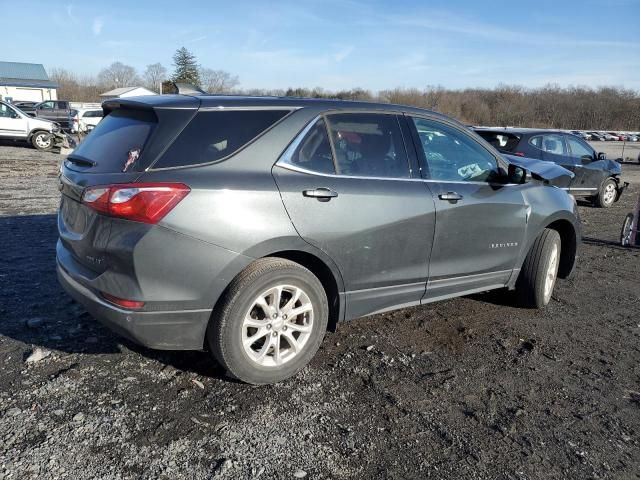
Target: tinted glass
column 368, row 145
column 114, row 137
column 5, row 111
column 536, row 141
column 451, row 155
column 314, row 152
column 554, row 144
column 46, row 106
column 212, row 136
column 579, row 149
column 501, row 140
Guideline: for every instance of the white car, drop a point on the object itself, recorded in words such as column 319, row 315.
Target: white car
column 86, row 119
column 17, row 125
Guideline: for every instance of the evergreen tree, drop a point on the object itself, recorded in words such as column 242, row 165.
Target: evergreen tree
column 186, row 67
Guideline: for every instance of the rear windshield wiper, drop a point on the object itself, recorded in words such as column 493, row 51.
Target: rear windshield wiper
column 81, row 161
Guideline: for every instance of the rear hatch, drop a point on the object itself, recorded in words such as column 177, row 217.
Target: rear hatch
column 128, row 140
column 505, row 142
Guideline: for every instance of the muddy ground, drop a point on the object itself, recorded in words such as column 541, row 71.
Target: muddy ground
column 466, row 388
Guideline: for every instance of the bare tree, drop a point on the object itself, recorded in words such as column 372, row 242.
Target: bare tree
column 217, row 81
column 118, row 75
column 154, row 75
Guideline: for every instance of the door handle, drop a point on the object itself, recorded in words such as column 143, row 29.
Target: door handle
column 452, row 197
column 321, row 194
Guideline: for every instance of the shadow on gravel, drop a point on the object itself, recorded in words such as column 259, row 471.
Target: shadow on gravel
column 36, row 311
column 602, row 243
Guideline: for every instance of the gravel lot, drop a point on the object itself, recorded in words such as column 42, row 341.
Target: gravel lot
column 466, row 388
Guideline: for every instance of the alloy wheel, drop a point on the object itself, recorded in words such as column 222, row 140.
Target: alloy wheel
column 277, row 326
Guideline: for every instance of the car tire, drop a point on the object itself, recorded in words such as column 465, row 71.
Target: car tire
column 539, row 270
column 39, row 141
column 625, row 232
column 282, row 345
column 607, row 194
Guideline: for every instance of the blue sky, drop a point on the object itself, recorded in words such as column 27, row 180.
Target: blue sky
column 338, row 44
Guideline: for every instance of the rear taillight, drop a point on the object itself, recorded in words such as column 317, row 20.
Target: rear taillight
column 139, row 202
column 519, row 154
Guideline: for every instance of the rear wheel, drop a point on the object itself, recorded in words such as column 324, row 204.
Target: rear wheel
column 42, row 141
column 607, row 194
column 540, row 270
column 270, row 322
column 625, row 233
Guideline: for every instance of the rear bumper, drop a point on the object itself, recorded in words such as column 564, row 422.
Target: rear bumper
column 163, row 330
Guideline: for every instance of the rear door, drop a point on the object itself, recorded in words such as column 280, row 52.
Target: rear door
column 349, row 188
column 480, row 221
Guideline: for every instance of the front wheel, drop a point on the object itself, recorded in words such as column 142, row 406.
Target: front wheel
column 625, row 233
column 540, row 270
column 42, row 141
column 607, row 194
column 270, row 323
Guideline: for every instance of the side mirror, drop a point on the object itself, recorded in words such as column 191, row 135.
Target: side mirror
column 517, row 174
column 15, row 115
column 602, row 156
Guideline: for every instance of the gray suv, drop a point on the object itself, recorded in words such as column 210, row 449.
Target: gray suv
column 248, row 226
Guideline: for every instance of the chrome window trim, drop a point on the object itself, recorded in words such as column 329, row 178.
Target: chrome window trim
column 285, row 162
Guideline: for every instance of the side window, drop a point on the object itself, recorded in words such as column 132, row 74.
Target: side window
column 450, row 155
column 214, row 135
column 314, row 152
column 368, row 145
column 536, row 141
column 46, row 106
column 554, row 144
column 5, row 111
column 579, row 149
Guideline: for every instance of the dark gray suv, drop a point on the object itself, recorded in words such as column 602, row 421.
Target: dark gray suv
column 248, row 226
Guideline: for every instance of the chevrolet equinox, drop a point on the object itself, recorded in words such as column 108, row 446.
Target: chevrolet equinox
column 249, row 226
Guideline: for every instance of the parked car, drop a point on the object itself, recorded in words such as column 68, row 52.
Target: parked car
column 596, row 178
column 86, row 119
column 58, row 111
column 246, row 226
column 582, row 135
column 610, row 137
column 597, row 137
column 632, row 138
column 17, row 125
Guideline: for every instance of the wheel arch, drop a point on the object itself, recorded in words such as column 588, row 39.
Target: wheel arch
column 330, row 280
column 568, row 246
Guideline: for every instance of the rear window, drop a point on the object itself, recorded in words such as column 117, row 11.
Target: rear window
column 93, row 114
column 118, row 138
column 506, row 142
column 212, row 136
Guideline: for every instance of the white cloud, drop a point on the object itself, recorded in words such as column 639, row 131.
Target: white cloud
column 98, row 23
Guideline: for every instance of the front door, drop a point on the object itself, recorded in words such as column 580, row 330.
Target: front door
column 347, row 185
column 480, row 220
column 12, row 124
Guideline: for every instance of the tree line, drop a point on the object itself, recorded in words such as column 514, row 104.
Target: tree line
column 551, row 106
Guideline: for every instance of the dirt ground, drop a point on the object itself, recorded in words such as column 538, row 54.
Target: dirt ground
column 466, row 388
